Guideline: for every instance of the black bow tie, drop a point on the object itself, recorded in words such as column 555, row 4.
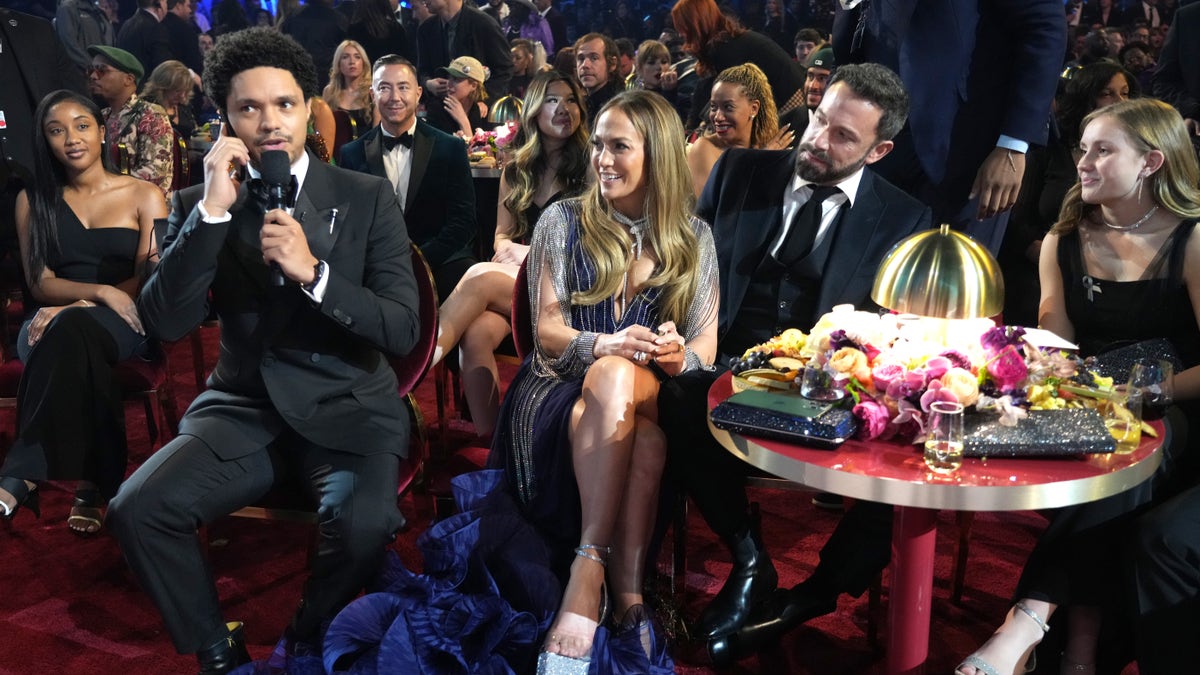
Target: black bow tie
column 390, row 142
column 259, row 192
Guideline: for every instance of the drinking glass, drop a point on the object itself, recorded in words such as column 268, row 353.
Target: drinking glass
column 1156, row 380
column 819, row 384
column 1122, row 413
column 944, row 439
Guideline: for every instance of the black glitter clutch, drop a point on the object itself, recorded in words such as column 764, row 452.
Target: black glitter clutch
column 785, row 417
column 1116, row 360
column 1045, row 433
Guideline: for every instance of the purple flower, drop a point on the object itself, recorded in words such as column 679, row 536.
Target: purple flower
column 936, row 392
column 996, row 339
column 959, row 359
column 838, row 339
column 937, row 366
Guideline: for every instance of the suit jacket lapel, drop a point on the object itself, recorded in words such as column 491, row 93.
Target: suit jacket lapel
column 760, row 219
column 855, row 229
column 318, row 209
column 373, row 147
column 421, row 152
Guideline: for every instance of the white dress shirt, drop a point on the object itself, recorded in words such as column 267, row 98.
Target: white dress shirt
column 398, row 164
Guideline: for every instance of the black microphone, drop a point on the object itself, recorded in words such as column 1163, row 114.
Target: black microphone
column 276, row 168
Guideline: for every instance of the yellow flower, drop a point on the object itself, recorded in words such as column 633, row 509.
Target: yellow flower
column 851, row 361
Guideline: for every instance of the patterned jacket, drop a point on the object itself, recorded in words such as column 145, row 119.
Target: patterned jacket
column 144, row 129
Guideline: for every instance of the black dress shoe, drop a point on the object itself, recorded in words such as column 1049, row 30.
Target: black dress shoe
column 782, row 612
column 750, row 582
column 225, row 654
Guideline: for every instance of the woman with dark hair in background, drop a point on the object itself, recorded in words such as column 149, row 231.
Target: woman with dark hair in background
column 1049, row 173
column 719, row 42
column 375, row 28
column 550, row 163
column 85, row 234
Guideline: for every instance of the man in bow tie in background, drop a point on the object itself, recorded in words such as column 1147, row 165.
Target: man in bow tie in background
column 427, row 168
column 303, row 388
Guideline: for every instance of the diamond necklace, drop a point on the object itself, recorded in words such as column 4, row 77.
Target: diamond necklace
column 1136, row 225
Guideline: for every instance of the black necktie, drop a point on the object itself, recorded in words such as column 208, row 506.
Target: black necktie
column 261, row 195
column 390, row 142
column 805, row 225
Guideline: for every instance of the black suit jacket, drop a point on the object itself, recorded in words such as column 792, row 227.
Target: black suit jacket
column 558, row 30
column 1177, row 80
column 185, row 40
column 440, row 202
column 45, row 67
column 146, row 38
column 993, row 72
column 285, row 361
column 478, row 36
column 743, row 201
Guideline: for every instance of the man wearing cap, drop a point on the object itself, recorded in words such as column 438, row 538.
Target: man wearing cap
column 820, row 67
column 138, row 133
column 596, row 57
column 461, row 30
column 144, row 36
column 427, row 168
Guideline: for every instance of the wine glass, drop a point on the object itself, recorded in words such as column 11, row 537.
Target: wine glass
column 1156, row 379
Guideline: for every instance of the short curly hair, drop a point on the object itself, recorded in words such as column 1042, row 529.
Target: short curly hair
column 256, row 48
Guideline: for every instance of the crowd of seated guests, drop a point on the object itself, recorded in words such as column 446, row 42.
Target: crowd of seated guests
column 619, row 278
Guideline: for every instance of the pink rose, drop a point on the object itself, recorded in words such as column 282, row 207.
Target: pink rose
column 1007, row 369
column 875, row 418
column 915, row 380
column 886, row 373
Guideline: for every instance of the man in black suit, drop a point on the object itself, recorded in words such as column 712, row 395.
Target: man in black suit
column 797, row 232
column 427, row 168
column 556, row 21
column 319, row 28
column 982, row 76
column 34, row 64
column 302, row 388
column 458, row 29
column 144, row 36
column 183, row 33
column 1177, row 80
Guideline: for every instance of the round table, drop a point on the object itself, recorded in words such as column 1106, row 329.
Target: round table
column 895, row 473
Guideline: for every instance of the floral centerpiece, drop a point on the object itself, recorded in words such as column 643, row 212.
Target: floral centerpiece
column 490, row 144
column 894, row 367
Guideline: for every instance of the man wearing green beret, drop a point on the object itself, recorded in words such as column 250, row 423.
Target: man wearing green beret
column 137, row 133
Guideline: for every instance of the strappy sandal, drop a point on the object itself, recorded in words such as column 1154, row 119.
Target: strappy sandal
column 981, row 666
column 549, row 663
column 86, row 519
column 22, row 494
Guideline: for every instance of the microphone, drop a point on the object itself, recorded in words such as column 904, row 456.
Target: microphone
column 276, row 168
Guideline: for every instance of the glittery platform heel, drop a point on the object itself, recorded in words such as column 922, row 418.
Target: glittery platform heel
column 557, row 664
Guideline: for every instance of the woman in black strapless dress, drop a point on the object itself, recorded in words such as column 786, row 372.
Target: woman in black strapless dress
column 550, row 163
column 85, row 234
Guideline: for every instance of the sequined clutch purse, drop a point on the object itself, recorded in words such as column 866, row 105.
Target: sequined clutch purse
column 785, row 417
column 1044, row 433
column 1117, row 360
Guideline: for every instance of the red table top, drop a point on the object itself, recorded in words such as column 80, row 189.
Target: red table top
column 895, row 473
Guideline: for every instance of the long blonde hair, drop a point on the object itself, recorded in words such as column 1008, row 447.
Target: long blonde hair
column 524, row 174
column 338, row 84
column 668, row 208
column 755, row 87
column 1150, row 125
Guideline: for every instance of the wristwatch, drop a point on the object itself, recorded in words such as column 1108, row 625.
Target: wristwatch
column 318, row 274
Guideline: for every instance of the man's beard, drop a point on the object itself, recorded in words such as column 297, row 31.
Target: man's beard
column 831, row 173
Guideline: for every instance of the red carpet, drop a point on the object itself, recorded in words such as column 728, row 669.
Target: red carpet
column 69, row 605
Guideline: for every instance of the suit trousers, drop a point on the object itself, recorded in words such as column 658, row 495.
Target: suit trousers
column 854, row 555
column 1167, row 578
column 185, row 485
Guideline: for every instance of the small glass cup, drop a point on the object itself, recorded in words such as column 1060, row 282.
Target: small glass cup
column 1156, row 380
column 1122, row 413
column 819, row 384
column 944, row 438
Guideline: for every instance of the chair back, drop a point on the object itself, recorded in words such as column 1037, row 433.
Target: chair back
column 411, row 368
column 180, row 171
column 522, row 315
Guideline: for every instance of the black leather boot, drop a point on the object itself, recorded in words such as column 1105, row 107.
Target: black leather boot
column 225, row 654
column 771, row 620
column 751, row 581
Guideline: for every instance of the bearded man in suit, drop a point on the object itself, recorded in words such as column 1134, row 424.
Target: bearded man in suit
column 303, row 387
column 797, row 232
column 427, row 168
